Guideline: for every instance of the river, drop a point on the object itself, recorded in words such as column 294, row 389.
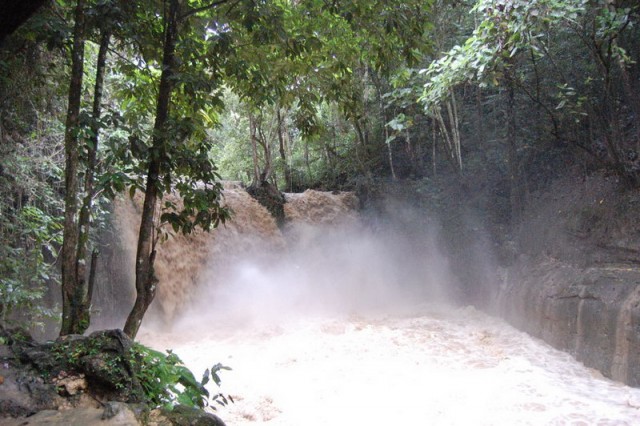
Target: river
column 429, row 366
column 358, row 325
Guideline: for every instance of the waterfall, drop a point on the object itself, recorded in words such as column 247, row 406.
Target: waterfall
column 184, row 263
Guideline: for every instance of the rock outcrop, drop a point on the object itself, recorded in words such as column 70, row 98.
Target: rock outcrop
column 591, row 312
column 576, row 281
column 71, row 372
column 80, row 380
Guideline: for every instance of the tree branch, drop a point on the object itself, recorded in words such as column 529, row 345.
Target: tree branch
column 202, row 9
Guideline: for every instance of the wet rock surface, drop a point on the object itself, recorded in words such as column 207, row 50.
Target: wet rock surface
column 271, row 198
column 188, row 416
column 69, row 381
column 78, row 380
column 576, row 280
column 85, row 415
column 593, row 313
column 23, row 391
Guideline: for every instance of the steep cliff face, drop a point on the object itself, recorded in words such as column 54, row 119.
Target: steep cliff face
column 591, row 312
column 576, row 281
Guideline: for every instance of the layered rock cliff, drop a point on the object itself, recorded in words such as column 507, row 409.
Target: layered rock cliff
column 575, row 281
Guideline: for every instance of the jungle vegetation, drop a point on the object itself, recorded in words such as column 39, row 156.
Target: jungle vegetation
column 100, row 98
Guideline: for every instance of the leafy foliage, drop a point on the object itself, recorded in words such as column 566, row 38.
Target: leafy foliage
column 24, row 266
column 167, row 382
column 30, row 176
column 505, row 30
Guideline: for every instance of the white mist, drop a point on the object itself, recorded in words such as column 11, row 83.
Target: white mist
column 349, row 326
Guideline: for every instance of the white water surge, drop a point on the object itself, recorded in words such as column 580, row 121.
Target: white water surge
column 354, row 328
column 442, row 366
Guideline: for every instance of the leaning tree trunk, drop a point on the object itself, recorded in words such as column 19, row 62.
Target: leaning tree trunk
column 71, row 306
column 146, row 280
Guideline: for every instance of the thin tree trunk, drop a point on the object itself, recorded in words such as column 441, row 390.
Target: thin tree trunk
column 433, row 150
column 410, row 151
column 390, row 154
column 330, row 150
column 449, row 145
column 146, row 280
column 385, row 120
column 254, row 149
column 70, row 235
column 479, row 117
column 92, row 273
column 452, row 110
column 306, row 159
column 360, row 147
column 283, row 153
column 388, row 142
column 83, row 292
column 263, row 140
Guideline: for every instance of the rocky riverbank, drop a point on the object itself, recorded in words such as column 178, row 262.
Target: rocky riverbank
column 591, row 312
column 81, row 380
column 576, row 280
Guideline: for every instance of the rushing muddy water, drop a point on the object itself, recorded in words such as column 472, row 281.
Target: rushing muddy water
column 444, row 366
column 335, row 323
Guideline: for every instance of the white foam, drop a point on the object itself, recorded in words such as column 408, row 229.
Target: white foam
column 446, row 366
column 332, row 329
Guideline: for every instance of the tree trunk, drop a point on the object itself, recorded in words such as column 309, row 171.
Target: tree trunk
column 254, row 149
column 388, row 142
column 146, row 280
column 452, row 111
column 410, row 151
column 385, row 120
column 434, row 165
column 479, row 119
column 283, row 153
column 360, row 146
column 265, row 175
column 70, row 305
column 390, row 154
column 83, row 288
column 306, row 160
